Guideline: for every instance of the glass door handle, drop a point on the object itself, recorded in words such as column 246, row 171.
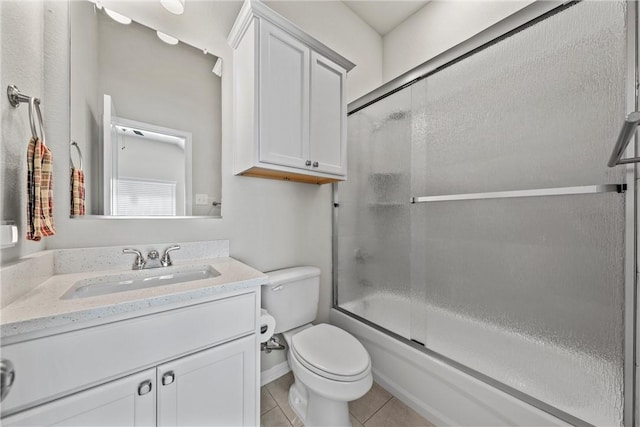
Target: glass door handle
column 626, row 134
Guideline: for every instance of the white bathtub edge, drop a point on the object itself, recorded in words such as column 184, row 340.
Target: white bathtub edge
column 454, row 398
column 427, row 411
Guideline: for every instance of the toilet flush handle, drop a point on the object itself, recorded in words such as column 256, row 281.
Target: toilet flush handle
column 277, row 288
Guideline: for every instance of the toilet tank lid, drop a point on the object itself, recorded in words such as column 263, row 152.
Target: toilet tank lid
column 286, row 275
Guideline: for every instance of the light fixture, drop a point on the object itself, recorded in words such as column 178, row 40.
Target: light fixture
column 167, row 38
column 117, row 17
column 174, row 6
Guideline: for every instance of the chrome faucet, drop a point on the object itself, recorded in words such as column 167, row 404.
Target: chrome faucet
column 139, row 263
column 165, row 261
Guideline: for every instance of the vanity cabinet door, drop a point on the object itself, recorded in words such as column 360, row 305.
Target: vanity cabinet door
column 328, row 128
column 215, row 387
column 284, row 98
column 130, row 401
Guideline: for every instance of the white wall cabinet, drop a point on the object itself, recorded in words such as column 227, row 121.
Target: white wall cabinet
column 328, row 116
column 192, row 366
column 284, row 98
column 290, row 107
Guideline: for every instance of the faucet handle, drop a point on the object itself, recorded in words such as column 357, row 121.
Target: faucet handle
column 165, row 261
column 139, row 263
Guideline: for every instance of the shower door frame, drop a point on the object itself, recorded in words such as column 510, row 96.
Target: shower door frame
column 527, row 16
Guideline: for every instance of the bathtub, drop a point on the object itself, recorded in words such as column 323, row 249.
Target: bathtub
column 446, row 395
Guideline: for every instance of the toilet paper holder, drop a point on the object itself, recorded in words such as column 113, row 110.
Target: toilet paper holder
column 272, row 343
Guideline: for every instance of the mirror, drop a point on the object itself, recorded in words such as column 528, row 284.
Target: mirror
column 145, row 120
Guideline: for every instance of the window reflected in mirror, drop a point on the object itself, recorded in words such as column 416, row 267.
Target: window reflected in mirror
column 146, row 117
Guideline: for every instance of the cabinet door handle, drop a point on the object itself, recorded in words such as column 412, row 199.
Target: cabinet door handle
column 145, row 387
column 168, row 378
column 307, row 163
column 7, row 376
column 315, row 164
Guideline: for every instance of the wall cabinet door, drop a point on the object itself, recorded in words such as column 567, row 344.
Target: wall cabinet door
column 328, row 131
column 215, row 387
column 284, row 98
column 130, row 401
column 289, row 100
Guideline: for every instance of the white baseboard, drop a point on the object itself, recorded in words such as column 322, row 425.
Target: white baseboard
column 274, row 373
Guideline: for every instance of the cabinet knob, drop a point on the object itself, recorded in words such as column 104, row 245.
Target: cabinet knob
column 168, row 378
column 307, row 163
column 7, row 376
column 144, row 387
column 315, row 164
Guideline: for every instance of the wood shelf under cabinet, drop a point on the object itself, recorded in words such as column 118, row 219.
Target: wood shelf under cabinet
column 288, row 176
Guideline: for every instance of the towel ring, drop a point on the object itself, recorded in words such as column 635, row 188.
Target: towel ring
column 36, row 106
column 34, row 131
column 16, row 97
column 75, row 144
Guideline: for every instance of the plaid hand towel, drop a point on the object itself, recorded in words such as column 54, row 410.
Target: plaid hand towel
column 39, row 195
column 77, row 192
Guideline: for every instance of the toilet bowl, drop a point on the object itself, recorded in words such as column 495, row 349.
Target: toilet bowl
column 330, row 366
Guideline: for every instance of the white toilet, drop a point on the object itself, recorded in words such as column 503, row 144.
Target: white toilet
column 330, row 366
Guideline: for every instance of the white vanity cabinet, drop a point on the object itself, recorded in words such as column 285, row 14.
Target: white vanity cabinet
column 214, row 387
column 290, row 106
column 193, row 365
column 130, row 401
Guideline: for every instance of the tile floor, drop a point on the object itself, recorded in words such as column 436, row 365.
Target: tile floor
column 377, row 408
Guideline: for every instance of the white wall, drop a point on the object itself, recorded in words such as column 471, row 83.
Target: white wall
column 438, row 26
column 21, row 41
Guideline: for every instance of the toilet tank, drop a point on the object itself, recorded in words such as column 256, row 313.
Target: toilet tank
column 291, row 296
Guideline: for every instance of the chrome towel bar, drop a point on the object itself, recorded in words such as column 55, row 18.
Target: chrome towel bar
column 560, row 191
column 626, row 134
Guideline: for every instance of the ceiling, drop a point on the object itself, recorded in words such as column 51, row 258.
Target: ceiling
column 384, row 15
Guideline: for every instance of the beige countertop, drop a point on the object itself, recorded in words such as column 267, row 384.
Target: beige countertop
column 43, row 311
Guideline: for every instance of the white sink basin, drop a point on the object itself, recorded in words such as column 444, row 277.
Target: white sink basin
column 138, row 280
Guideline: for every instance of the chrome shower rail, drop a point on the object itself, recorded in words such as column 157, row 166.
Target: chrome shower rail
column 520, row 19
column 560, row 191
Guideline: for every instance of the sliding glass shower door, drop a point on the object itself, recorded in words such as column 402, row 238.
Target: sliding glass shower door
column 373, row 229
column 509, row 259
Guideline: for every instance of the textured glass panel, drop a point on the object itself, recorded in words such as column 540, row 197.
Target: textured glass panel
column 373, row 217
column 539, row 109
column 531, row 288
column 528, row 291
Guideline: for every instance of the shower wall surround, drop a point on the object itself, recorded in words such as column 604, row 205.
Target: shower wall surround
column 525, row 291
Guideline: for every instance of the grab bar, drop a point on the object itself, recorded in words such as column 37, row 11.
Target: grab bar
column 560, row 191
column 626, row 133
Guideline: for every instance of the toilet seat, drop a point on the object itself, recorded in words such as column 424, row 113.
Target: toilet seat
column 332, row 353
